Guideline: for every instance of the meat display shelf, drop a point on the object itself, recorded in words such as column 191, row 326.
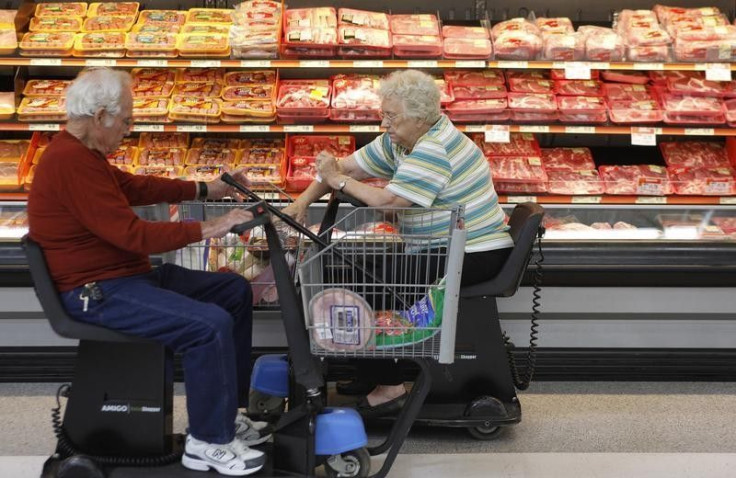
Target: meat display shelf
column 353, row 128
column 388, row 64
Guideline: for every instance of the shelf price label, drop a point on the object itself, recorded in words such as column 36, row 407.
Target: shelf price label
column 649, row 66
column 422, row 64
column 470, row 64
column 302, row 128
column 718, row 72
column 576, row 70
column 580, row 129
column 150, row 128
column 45, row 61
column 497, row 134
column 699, row 132
column 153, row 63
column 651, row 200
column 475, row 128
column 255, row 63
column 192, row 128
column 205, row 63
column 586, row 199
column 359, row 128
column 727, row 200
column 101, row 62
column 368, row 64
column 520, row 199
column 513, row 64
column 255, row 128
column 534, row 129
column 643, row 136
column 44, row 127
column 314, row 64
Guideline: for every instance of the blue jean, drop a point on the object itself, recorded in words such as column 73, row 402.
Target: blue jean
column 205, row 316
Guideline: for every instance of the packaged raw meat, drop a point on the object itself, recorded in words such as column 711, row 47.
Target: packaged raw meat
column 517, row 169
column 467, row 48
column 602, row 44
column 578, row 88
column 248, row 43
column 341, row 321
column 106, row 44
column 653, row 53
column 305, row 99
column 249, row 92
column 200, row 75
column 634, row 111
column 248, row 111
column 583, row 118
column 477, row 92
column 195, row 44
column 703, row 181
column 520, row 144
column 171, row 172
column 247, row 77
column 46, row 87
column 196, row 109
column 567, row 159
column 417, row 46
column 644, row 180
column 204, row 172
column 715, row 51
column 42, row 108
column 8, row 40
column 207, row 142
column 729, row 108
column 581, row 108
column 421, row 24
column 152, row 89
column 151, row 44
column 531, row 102
column 363, row 18
column 695, row 87
column 624, row 91
column 364, row 37
column 534, row 117
column 466, row 115
column 310, row 41
column 55, row 24
column 528, row 74
column 660, row 78
column 577, row 182
column 12, row 150
column 171, row 17
column 113, row 8
column 554, row 25
column 515, row 25
column 212, row 156
column 210, row 15
column 7, row 105
column 530, row 85
column 563, row 47
column 452, row 31
column 631, row 77
column 124, row 155
column 199, row 90
column 163, row 140
column 479, row 77
column 204, row 29
column 9, row 175
column 47, row 44
column 150, row 107
column 108, row 23
column 311, row 146
column 61, row 9
column 687, row 109
column 156, row 28
column 324, row 17
column 355, row 98
column 301, row 173
column 517, row 45
column 695, row 154
column 477, row 106
column 161, row 156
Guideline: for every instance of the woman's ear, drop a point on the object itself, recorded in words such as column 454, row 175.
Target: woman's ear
column 99, row 116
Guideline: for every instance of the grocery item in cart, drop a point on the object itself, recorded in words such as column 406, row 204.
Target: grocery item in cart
column 703, row 181
column 567, row 159
column 355, row 98
column 421, row 24
column 341, row 321
column 576, row 182
column 695, row 154
column 646, row 180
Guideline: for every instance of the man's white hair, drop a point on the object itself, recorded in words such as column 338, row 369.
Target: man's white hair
column 95, row 89
column 418, row 92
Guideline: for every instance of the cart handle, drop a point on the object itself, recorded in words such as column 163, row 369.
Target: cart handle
column 259, row 219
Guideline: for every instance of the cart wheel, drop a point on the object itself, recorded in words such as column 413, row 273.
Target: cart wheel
column 485, row 432
column 351, row 464
column 264, row 406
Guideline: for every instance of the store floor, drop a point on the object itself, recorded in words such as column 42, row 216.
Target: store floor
column 587, row 430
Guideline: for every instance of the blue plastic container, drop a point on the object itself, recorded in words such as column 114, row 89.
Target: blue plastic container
column 271, row 375
column 339, row 430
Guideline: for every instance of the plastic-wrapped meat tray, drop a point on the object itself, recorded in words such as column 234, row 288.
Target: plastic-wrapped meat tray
column 518, row 174
column 567, row 159
column 578, row 88
column 703, row 181
column 695, row 154
column 575, row 182
column 481, row 77
column 517, row 45
column 634, row 112
column 646, row 180
column 530, row 85
column 355, row 98
column 311, row 146
column 563, row 47
column 363, row 18
column 467, row 48
column 421, row 24
column 477, row 92
column 520, row 144
column 626, row 92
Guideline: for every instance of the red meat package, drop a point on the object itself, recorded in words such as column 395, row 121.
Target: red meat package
column 602, row 44
column 648, row 53
column 481, row 77
column 518, row 174
column 578, row 88
column 417, row 45
column 695, row 86
column 451, row 31
column 688, row 109
column 634, row 111
column 363, row 37
column 574, row 105
column 477, row 92
column 515, row 25
column 324, row 17
column 517, row 45
column 520, row 144
column 631, row 77
column 301, row 95
column 301, row 173
column 563, row 47
column 532, row 102
column 727, row 224
column 530, row 85
column 478, row 106
column 423, row 24
column 623, row 91
column 554, row 25
column 578, row 182
column 310, row 146
column 467, row 48
column 355, row 98
column 567, row 159
column 715, row 50
column 703, row 181
column 661, row 78
column 695, row 154
column 363, row 18
column 644, row 180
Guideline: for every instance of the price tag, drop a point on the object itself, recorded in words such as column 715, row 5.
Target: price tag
column 101, row 62
column 699, row 131
column 534, row 129
column 580, row 129
column 649, row 66
column 44, row 127
column 497, row 134
column 470, row 64
column 205, row 63
column 314, row 64
column 475, row 128
column 255, row 128
column 714, row 187
column 255, row 63
column 302, row 128
column 156, row 128
column 520, row 199
column 643, row 137
column 587, row 199
column 727, row 200
column 356, row 128
column 651, row 200
column 368, row 64
column 270, row 196
column 192, row 128
column 153, row 63
column 421, row 64
column 513, row 64
column 577, row 71
column 45, row 61
column 718, row 72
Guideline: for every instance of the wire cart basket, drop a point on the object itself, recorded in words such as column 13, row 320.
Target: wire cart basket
column 384, row 291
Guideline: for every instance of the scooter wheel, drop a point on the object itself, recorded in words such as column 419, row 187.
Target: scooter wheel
column 485, row 433
column 79, row 466
column 264, row 406
column 351, row 464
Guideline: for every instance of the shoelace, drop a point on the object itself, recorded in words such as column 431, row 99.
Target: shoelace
column 240, row 448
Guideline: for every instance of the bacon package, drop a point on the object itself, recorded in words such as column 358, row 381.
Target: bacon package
column 355, row 98
column 646, row 180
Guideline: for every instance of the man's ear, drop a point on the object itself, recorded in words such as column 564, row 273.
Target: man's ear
column 98, row 116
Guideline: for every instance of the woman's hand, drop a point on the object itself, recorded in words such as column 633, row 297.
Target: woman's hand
column 328, row 168
column 297, row 211
column 218, row 189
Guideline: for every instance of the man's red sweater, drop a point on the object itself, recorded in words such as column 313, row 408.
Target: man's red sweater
column 79, row 211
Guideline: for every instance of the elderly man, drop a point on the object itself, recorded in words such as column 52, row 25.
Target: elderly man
column 97, row 250
column 429, row 163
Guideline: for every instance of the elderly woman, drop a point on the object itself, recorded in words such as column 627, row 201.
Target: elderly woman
column 428, row 163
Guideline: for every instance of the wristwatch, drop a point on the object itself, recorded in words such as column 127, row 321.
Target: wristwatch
column 341, row 185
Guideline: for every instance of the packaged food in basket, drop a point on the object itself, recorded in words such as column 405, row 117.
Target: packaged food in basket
column 198, row 90
column 341, row 321
column 171, row 172
column 197, row 44
column 195, row 109
column 467, row 48
column 55, row 24
column 248, row 111
column 421, row 24
column 109, row 23
column 355, row 98
column 124, row 155
column 162, row 156
column 61, row 9
column 112, row 8
column 646, row 180
column 575, row 182
column 204, row 172
column 171, row 17
column 249, row 92
column 703, row 181
column 163, row 140
column 695, row 154
column 42, row 108
column 105, row 44
column 46, row 87
column 210, row 15
column 212, row 156
column 47, row 44
column 151, row 45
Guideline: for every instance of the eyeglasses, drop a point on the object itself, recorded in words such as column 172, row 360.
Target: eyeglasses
column 389, row 117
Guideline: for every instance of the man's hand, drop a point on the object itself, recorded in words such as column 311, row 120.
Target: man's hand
column 220, row 226
column 218, row 189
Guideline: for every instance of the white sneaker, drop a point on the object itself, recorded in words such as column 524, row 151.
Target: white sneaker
column 251, row 432
column 232, row 459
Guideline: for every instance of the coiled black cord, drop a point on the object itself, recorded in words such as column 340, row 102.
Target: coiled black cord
column 531, row 357
column 66, row 448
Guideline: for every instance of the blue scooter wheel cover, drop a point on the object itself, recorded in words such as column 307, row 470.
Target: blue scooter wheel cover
column 271, row 375
column 338, row 430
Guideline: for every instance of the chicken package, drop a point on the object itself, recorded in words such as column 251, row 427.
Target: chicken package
column 47, row 44
column 634, row 111
column 163, row 140
column 477, row 106
column 467, row 48
column 212, row 157
column 341, row 321
column 530, row 85
column 46, row 87
column 199, row 90
column 204, row 172
column 695, row 154
column 578, row 182
column 42, row 108
column 355, row 98
column 162, row 157
column 61, row 9
column 646, row 180
column 151, row 109
column 567, row 159
column 421, row 24
column 363, row 18
column 166, row 17
column 200, row 75
column 563, row 46
column 517, row 45
column 578, row 88
column 703, row 181
column 263, row 92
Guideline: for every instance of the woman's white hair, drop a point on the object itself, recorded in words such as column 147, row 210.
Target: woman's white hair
column 95, row 89
column 417, row 91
